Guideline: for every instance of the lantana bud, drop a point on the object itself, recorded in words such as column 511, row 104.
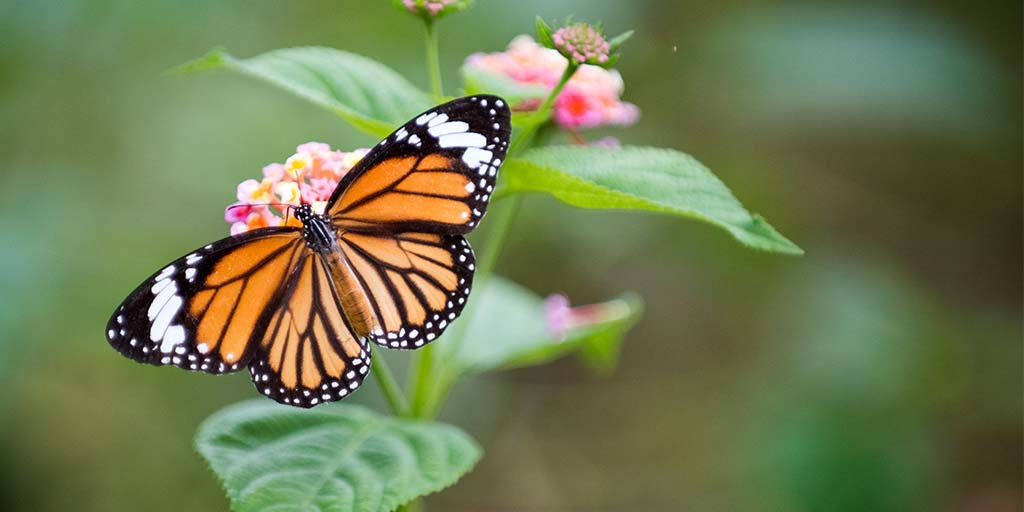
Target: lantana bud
column 582, row 43
column 431, row 9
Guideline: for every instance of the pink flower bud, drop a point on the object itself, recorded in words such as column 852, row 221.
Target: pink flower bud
column 433, row 8
column 582, row 44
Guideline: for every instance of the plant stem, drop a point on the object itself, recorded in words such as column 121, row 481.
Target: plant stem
column 543, row 113
column 419, row 380
column 388, row 386
column 433, row 61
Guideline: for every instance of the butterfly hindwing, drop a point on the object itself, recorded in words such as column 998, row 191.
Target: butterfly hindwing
column 435, row 174
column 416, row 283
column 308, row 354
column 201, row 311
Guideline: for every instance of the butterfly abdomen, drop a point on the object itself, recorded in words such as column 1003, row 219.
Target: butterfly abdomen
column 351, row 293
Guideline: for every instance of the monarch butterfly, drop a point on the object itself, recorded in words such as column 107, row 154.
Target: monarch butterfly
column 386, row 261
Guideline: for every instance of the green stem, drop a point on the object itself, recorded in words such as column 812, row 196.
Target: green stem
column 433, row 61
column 389, row 386
column 419, row 380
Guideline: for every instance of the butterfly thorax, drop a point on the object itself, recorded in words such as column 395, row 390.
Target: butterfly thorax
column 317, row 230
column 320, row 234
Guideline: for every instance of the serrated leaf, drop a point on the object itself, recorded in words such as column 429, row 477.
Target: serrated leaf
column 479, row 81
column 337, row 457
column 510, row 331
column 640, row 178
column 365, row 93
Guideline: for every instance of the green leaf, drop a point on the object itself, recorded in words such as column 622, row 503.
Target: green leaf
column 615, row 42
column 639, row 178
column 336, row 457
column 510, row 330
column 478, row 81
column 544, row 33
column 367, row 94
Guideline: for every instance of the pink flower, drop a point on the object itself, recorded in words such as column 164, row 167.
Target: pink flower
column 581, row 43
column 313, row 148
column 591, row 98
column 308, row 176
column 237, row 212
column 560, row 318
column 557, row 315
column 318, row 189
column 576, row 109
column 429, row 8
column 274, row 172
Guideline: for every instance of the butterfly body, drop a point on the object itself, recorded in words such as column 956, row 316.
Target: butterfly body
column 385, row 262
column 317, row 230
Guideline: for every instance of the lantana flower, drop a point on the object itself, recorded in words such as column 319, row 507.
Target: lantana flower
column 432, row 8
column 309, row 176
column 560, row 317
column 591, row 98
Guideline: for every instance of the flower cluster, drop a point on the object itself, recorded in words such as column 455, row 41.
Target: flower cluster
column 581, row 43
column 433, row 8
column 591, row 98
column 309, row 176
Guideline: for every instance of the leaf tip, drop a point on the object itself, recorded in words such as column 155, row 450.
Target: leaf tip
column 213, row 59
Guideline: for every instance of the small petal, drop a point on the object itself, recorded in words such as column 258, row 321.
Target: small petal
column 557, row 315
column 288, row 192
column 237, row 212
column 298, row 163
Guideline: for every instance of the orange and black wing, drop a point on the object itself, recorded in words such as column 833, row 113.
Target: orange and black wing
column 415, row 284
column 435, row 174
column 308, row 353
column 261, row 299
column 206, row 311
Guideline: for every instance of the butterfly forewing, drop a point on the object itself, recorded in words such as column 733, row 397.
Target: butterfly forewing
column 435, row 174
column 201, row 312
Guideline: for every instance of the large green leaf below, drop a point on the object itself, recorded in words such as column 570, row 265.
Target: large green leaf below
column 336, row 457
column 369, row 95
column 640, row 178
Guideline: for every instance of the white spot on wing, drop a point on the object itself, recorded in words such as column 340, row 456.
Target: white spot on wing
column 462, row 140
column 447, row 128
column 473, row 157
column 175, row 335
column 422, row 120
column 437, row 120
column 164, row 294
column 163, row 319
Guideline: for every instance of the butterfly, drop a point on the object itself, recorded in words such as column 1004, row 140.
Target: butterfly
column 385, row 262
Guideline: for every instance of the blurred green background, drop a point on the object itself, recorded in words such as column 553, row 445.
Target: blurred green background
column 881, row 371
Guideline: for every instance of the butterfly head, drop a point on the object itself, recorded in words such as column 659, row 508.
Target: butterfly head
column 316, row 229
column 304, row 212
